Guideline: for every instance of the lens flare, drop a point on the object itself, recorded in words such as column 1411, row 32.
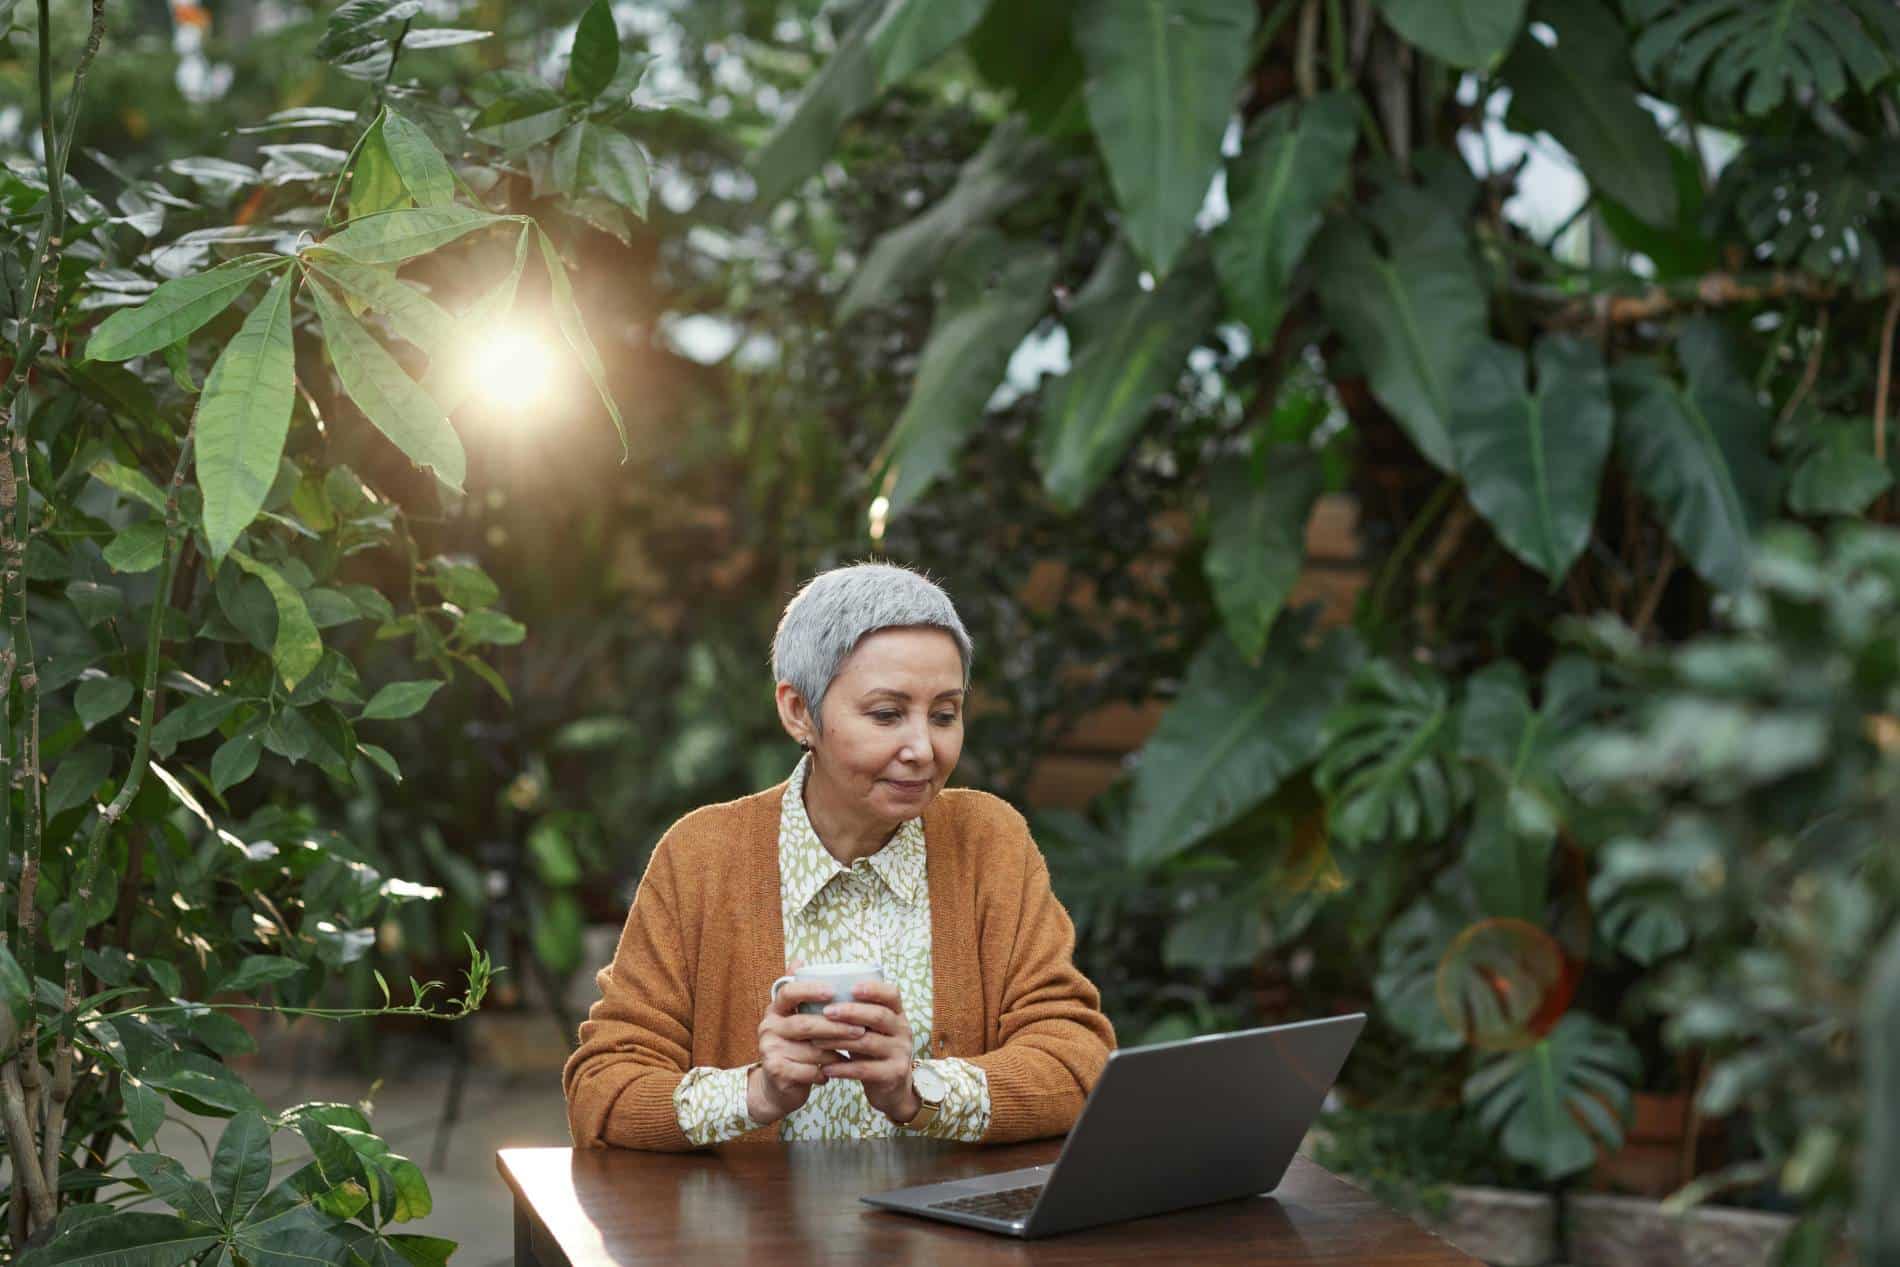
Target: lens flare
column 1503, row 983
column 513, row 368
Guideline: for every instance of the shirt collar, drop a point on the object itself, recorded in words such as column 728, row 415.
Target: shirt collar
column 899, row 864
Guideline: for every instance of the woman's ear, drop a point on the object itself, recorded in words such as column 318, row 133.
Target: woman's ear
column 794, row 716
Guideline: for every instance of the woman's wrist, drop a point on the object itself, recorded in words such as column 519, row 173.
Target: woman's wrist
column 758, row 1105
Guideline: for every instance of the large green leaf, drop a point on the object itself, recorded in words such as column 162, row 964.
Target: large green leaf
column 244, row 418
column 1583, row 93
column 1007, row 167
column 1838, row 473
column 176, row 308
column 1029, row 52
column 567, row 315
column 375, row 184
column 412, row 314
column 1638, row 892
column 596, row 54
column 800, row 144
column 1542, row 1097
column 1295, row 160
column 240, row 1169
column 172, row 1184
column 1411, row 317
column 590, row 158
column 424, row 172
column 297, row 646
column 1234, row 732
column 994, row 293
column 1411, row 949
column 1162, row 75
column 1131, row 346
column 1469, row 34
column 1257, row 541
column 388, row 397
column 1386, row 765
column 1532, row 461
column 394, row 236
column 910, row 34
column 1749, row 56
column 129, row 1238
column 1699, row 451
column 1519, row 804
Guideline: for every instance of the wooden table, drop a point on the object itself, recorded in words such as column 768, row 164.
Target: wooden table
column 798, row 1203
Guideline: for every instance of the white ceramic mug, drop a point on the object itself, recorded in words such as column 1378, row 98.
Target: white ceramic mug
column 841, row 977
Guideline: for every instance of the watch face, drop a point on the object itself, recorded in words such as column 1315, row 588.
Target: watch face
column 929, row 1083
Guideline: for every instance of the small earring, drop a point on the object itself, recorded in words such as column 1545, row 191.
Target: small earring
column 805, row 744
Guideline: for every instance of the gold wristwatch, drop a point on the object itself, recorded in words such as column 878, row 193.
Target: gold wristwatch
column 930, row 1089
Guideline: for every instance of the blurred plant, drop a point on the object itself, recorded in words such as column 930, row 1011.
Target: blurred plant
column 1754, row 776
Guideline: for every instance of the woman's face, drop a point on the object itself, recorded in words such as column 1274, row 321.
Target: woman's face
column 893, row 724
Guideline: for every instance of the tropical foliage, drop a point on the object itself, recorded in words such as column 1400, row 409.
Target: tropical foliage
column 1298, row 210
column 223, row 452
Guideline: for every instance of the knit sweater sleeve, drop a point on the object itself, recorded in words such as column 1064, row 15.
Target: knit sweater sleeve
column 1053, row 1039
column 636, row 1042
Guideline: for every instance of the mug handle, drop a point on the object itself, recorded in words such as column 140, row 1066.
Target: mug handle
column 780, row 984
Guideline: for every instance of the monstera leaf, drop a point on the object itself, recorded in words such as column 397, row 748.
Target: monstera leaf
column 1749, row 57
column 1814, row 204
column 1234, row 732
column 1410, row 952
column 1583, row 93
column 1161, row 81
column 1699, row 452
column 1532, row 459
column 1295, row 159
column 1838, row 472
column 1520, row 793
column 1387, row 767
column 1541, row 1098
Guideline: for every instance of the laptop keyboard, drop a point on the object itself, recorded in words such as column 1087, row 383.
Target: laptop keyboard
column 1007, row 1204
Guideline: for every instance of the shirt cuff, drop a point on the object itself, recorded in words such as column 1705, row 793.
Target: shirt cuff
column 711, row 1105
column 965, row 1113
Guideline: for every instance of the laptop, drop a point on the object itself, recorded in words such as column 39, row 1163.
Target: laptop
column 1168, row 1126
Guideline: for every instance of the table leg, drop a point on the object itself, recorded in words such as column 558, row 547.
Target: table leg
column 524, row 1239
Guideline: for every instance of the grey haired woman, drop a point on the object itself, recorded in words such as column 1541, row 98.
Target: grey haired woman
column 982, row 1029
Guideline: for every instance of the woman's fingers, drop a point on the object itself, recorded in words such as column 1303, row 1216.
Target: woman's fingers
column 871, row 1016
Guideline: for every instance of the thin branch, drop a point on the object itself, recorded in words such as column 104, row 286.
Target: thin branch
column 1813, row 369
column 20, row 1150
column 1883, row 380
column 1712, row 290
column 1653, row 598
column 1305, row 50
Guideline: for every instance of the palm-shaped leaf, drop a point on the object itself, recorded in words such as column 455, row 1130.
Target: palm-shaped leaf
column 1750, row 56
column 1410, row 952
column 1542, row 1098
column 1387, row 767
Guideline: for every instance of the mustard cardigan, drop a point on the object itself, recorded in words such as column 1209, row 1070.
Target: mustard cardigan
column 704, row 940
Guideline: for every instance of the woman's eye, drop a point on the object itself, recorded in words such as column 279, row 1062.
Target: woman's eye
column 887, row 716
column 946, row 719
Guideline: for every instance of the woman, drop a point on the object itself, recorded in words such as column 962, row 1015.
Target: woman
column 982, row 1028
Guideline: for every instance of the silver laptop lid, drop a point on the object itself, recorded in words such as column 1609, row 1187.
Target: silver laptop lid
column 1205, row 1119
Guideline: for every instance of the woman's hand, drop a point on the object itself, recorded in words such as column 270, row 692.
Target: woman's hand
column 793, row 1048
column 881, row 1058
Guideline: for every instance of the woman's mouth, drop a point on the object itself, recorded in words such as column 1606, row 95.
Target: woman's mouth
column 910, row 786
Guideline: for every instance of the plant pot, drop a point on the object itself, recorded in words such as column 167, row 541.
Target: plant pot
column 1653, row 1159
column 1506, row 1228
column 1607, row 1231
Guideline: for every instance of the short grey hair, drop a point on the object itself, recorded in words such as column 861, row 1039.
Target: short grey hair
column 836, row 610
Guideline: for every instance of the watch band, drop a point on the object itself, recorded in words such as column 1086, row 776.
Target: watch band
column 929, row 1113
